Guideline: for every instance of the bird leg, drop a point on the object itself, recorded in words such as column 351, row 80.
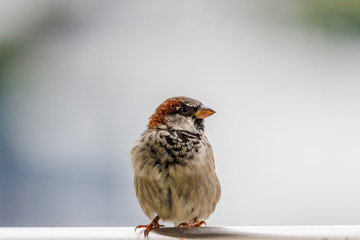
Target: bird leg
column 153, row 225
column 194, row 223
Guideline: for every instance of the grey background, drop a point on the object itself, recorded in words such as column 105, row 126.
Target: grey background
column 78, row 80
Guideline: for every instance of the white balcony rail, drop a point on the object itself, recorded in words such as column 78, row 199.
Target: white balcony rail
column 109, row 233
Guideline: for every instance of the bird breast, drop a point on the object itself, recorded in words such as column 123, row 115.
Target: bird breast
column 174, row 175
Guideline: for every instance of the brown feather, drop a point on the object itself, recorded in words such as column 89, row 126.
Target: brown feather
column 163, row 110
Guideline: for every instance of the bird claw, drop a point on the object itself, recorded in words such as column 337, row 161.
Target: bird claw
column 194, row 223
column 153, row 225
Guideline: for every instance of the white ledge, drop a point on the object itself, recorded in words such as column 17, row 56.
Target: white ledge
column 266, row 232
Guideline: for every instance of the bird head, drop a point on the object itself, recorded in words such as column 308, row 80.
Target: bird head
column 180, row 113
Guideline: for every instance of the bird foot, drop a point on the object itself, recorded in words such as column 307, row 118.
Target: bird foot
column 194, row 223
column 153, row 225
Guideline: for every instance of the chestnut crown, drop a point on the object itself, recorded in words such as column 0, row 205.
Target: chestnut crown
column 180, row 113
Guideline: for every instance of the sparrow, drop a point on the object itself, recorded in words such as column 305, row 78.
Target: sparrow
column 174, row 167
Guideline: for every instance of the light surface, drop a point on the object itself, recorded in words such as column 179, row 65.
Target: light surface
column 267, row 232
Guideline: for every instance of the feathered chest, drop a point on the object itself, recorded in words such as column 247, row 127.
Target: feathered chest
column 165, row 148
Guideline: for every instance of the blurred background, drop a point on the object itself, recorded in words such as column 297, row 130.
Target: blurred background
column 78, row 80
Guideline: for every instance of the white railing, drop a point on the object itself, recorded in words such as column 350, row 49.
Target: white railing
column 109, row 233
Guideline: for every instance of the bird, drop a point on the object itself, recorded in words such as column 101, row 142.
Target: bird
column 174, row 167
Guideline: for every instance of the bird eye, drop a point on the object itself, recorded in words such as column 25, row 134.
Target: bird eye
column 185, row 109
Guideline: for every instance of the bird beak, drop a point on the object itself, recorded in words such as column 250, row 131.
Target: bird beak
column 204, row 112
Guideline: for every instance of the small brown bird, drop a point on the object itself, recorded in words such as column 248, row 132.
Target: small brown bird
column 174, row 166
